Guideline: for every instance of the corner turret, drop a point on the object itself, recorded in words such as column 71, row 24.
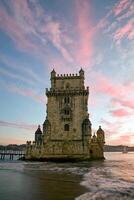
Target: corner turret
column 53, row 73
column 53, row 76
column 38, row 135
column 94, row 138
column 81, row 73
column 100, row 135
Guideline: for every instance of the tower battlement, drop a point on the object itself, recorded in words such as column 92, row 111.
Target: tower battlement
column 67, row 81
column 67, row 76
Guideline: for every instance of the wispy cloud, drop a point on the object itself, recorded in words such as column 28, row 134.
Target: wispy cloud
column 127, row 31
column 55, row 35
column 5, row 72
column 120, row 112
column 31, row 28
column 21, row 67
column 84, row 29
column 17, row 31
column 115, row 134
column 19, row 125
column 121, row 6
column 129, row 103
column 123, row 23
column 28, row 93
column 24, row 92
column 118, row 93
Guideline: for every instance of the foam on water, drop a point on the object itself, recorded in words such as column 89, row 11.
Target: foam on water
column 59, row 168
column 45, row 166
column 12, row 165
column 114, row 180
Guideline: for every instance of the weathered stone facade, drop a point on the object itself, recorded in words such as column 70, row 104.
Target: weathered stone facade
column 67, row 131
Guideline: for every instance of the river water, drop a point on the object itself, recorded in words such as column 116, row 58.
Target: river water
column 111, row 179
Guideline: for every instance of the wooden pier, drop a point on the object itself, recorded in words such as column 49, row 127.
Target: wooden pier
column 10, row 155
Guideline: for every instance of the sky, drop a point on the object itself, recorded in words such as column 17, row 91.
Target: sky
column 39, row 35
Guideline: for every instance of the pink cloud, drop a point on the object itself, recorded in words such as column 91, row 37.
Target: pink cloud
column 104, row 85
column 125, row 31
column 32, row 29
column 55, row 35
column 84, row 29
column 114, row 133
column 118, row 93
column 17, row 30
column 121, row 6
column 123, row 140
column 123, row 25
column 129, row 13
column 112, row 127
column 123, row 102
column 120, row 113
column 119, row 141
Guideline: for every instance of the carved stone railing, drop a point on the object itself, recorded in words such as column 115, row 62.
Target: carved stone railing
column 62, row 92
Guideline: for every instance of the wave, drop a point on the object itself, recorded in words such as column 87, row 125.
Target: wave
column 45, row 166
column 102, row 184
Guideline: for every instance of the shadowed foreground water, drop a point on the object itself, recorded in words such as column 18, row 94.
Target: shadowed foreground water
column 112, row 179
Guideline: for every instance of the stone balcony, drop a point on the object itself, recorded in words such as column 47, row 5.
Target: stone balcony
column 70, row 91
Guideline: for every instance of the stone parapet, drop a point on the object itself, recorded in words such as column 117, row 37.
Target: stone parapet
column 62, row 92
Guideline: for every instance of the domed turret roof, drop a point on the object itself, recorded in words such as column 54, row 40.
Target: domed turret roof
column 81, row 71
column 100, row 130
column 38, row 131
column 46, row 122
column 87, row 121
column 53, row 72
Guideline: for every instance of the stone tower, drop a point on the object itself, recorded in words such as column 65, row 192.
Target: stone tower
column 67, row 132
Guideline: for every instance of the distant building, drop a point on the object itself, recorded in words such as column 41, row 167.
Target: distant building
column 67, row 130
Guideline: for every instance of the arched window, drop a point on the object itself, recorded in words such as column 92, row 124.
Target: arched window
column 66, row 112
column 66, row 100
column 66, row 127
column 67, row 86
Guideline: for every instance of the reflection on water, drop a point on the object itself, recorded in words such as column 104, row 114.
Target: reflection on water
column 111, row 179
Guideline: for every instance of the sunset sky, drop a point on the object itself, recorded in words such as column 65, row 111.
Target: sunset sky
column 39, row 35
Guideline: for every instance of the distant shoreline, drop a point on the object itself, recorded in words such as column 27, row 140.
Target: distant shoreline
column 107, row 148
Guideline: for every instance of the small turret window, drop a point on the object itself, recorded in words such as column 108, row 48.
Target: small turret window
column 66, row 127
column 66, row 112
column 66, row 100
column 67, row 86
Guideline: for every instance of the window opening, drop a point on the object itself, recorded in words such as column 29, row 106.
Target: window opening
column 66, row 127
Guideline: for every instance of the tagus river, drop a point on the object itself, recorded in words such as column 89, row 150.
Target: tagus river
column 112, row 179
